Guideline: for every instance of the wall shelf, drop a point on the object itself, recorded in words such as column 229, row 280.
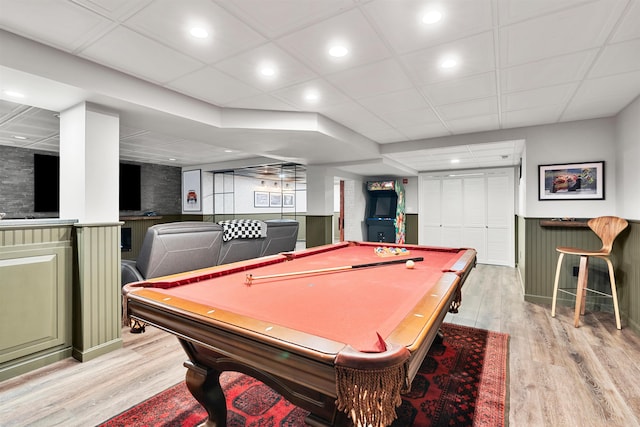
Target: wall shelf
column 566, row 223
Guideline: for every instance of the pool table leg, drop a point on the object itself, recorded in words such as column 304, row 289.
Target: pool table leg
column 204, row 385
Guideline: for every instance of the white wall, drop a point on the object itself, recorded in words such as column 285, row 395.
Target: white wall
column 355, row 206
column 571, row 142
column 240, row 195
column 628, row 161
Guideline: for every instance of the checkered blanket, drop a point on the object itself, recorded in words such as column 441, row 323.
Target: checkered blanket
column 243, row 229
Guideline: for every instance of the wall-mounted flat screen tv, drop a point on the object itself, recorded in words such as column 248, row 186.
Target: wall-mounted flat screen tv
column 130, row 187
column 46, row 172
column 46, row 183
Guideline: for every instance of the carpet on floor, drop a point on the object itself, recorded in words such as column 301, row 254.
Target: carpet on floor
column 462, row 382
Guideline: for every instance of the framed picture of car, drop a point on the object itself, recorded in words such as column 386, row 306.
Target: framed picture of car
column 191, row 186
column 571, row 181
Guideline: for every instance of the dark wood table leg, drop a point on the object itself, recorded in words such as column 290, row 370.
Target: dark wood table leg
column 204, row 385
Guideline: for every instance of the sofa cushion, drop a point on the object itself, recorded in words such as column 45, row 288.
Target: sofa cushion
column 243, row 229
column 179, row 246
column 282, row 235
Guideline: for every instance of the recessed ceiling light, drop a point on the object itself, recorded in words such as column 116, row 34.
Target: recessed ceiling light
column 19, row 137
column 431, row 17
column 199, row 33
column 228, row 151
column 311, row 96
column 338, row 51
column 455, row 160
column 267, row 71
column 172, row 159
column 448, row 63
column 13, row 94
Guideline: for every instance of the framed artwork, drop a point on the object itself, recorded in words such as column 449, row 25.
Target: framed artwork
column 260, row 199
column 571, row 181
column 275, row 200
column 192, row 191
column 288, row 200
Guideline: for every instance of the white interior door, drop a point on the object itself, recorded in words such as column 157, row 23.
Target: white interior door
column 474, row 211
column 474, row 231
column 500, row 220
column 452, row 212
column 430, row 213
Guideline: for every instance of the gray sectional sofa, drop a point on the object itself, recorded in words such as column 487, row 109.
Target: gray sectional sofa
column 182, row 246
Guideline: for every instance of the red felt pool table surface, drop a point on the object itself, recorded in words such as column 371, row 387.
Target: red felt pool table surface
column 303, row 334
column 350, row 306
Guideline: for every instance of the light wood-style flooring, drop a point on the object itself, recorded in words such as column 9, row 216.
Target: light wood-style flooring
column 558, row 375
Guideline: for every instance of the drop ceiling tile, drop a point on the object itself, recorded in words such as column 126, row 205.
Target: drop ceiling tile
column 619, row 85
column 630, row 27
column 547, row 72
column 246, row 68
column 582, row 27
column 605, row 96
column 169, row 22
column 474, row 54
column 358, row 119
column 408, row 118
column 401, row 22
column 395, row 101
column 474, row 124
column 59, row 24
column 372, row 79
column 462, row 89
column 425, row 130
column 595, row 108
column 349, row 29
column 132, row 53
column 617, row 58
column 275, row 18
column 477, row 107
column 531, row 116
column 114, row 9
column 546, row 96
column 295, row 95
column 511, row 11
column 213, row 86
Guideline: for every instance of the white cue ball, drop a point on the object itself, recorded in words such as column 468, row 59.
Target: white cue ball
column 410, row 264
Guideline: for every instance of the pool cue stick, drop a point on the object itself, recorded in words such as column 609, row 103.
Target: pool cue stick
column 250, row 277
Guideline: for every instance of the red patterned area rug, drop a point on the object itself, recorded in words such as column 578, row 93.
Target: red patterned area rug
column 462, row 382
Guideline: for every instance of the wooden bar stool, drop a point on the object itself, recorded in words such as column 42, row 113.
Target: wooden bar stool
column 607, row 228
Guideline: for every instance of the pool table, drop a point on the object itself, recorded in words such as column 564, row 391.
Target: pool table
column 321, row 326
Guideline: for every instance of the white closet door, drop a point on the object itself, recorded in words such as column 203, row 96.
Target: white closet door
column 474, row 229
column 472, row 211
column 500, row 218
column 430, row 217
column 452, row 212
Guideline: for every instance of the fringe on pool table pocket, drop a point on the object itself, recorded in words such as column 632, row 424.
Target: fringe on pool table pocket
column 370, row 397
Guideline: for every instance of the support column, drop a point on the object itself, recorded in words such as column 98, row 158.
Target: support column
column 319, row 220
column 89, row 193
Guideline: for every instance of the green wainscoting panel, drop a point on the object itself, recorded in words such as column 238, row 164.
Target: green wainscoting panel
column 540, row 260
column 319, row 230
column 97, row 291
column 35, row 295
column 627, row 263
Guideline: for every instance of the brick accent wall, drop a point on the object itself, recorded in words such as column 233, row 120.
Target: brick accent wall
column 160, row 186
column 16, row 182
